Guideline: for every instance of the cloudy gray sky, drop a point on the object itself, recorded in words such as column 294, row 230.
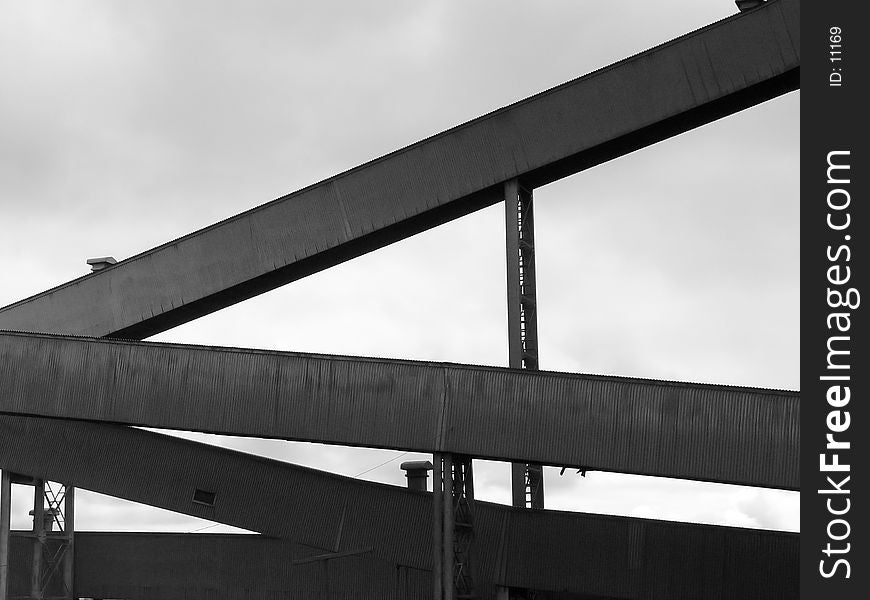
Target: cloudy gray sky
column 126, row 124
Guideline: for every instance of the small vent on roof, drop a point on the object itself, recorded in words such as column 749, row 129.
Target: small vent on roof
column 203, row 497
column 98, row 264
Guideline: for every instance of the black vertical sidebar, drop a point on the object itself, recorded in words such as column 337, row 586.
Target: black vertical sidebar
column 835, row 225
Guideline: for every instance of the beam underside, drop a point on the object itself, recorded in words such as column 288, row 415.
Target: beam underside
column 690, row 431
column 591, row 554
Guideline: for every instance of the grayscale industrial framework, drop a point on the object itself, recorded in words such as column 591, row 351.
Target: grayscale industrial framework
column 75, row 376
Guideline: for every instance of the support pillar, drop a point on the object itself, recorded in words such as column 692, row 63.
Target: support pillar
column 5, row 519
column 527, row 480
column 69, row 512
column 38, row 538
column 463, row 527
column 453, row 527
column 449, row 524
column 52, row 573
column 438, row 527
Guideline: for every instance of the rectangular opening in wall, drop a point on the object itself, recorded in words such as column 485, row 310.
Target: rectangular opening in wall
column 203, row 497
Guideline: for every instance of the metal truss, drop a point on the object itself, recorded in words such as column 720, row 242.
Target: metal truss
column 53, row 534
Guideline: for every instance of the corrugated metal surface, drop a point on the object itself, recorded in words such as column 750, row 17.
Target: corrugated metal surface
column 685, row 83
column 692, row 431
column 151, row 566
column 558, row 551
column 675, row 562
column 636, row 558
column 270, row 497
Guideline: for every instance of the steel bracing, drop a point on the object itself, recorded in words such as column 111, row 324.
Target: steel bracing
column 52, row 566
column 453, row 525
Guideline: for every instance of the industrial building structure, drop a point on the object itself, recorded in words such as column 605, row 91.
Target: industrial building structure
column 74, row 371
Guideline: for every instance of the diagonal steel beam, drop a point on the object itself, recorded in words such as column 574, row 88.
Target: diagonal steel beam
column 682, row 84
column 600, row 556
column 692, row 431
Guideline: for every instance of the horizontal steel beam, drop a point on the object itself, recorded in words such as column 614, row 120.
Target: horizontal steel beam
column 691, row 431
column 601, row 556
column 685, row 83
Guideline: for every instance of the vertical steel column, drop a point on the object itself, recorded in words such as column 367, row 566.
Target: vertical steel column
column 527, row 480
column 514, row 292
column 38, row 538
column 453, row 527
column 447, row 551
column 463, row 519
column 69, row 530
column 52, row 574
column 437, row 526
column 5, row 516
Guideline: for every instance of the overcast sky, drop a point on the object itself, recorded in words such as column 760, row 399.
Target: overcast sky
column 124, row 125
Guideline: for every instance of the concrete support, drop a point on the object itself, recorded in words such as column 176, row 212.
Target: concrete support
column 5, row 517
column 527, row 481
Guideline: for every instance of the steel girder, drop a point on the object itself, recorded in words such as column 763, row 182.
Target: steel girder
column 691, row 431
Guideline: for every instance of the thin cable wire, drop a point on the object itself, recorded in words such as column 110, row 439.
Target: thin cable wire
column 381, row 465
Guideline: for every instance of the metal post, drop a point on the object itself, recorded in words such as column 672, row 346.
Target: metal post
column 447, row 561
column 38, row 538
column 527, row 482
column 463, row 526
column 437, row 526
column 518, row 485
column 5, row 516
column 69, row 530
column 512, row 243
